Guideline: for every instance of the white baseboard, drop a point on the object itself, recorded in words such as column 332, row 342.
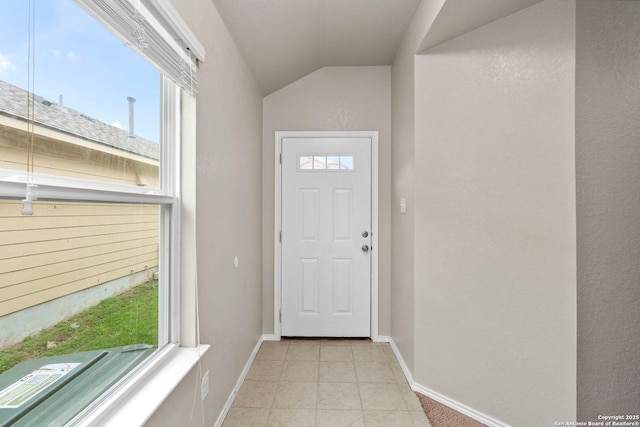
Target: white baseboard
column 381, row 338
column 451, row 403
column 403, row 365
column 270, row 337
column 243, row 375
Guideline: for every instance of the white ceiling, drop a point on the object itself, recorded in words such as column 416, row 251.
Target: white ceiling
column 284, row 40
column 457, row 17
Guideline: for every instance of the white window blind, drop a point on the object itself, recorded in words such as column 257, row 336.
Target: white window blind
column 170, row 46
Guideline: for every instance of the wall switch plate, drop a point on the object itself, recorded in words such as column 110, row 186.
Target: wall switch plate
column 403, row 205
column 204, row 385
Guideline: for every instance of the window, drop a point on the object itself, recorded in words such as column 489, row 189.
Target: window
column 326, row 162
column 89, row 197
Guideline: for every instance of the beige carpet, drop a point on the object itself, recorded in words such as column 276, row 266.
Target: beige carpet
column 442, row 416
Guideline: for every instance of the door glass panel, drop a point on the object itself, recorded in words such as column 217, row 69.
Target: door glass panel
column 305, row 162
column 326, row 162
column 319, row 162
column 346, row 162
column 333, row 162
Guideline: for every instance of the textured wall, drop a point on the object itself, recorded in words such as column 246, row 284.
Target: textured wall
column 331, row 99
column 229, row 217
column 402, row 180
column 495, row 278
column 608, row 207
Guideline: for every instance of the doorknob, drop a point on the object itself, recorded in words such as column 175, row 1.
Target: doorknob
column 365, row 234
column 365, row 248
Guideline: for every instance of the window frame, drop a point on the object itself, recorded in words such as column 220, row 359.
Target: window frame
column 135, row 397
column 13, row 185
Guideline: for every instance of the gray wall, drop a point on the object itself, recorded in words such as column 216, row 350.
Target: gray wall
column 402, row 181
column 229, row 218
column 495, row 256
column 331, row 99
column 487, row 288
column 608, row 207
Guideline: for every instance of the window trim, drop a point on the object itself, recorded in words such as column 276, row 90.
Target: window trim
column 13, row 185
column 138, row 397
column 49, row 187
column 139, row 394
column 135, row 399
column 44, row 187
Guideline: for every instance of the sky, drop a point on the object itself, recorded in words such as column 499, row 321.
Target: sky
column 79, row 59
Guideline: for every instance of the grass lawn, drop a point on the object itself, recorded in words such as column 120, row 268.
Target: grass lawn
column 128, row 318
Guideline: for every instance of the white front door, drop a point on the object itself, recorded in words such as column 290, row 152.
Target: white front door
column 326, row 237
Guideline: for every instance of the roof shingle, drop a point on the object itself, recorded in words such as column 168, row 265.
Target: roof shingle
column 13, row 102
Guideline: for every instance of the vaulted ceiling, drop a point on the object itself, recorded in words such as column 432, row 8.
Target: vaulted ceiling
column 284, row 40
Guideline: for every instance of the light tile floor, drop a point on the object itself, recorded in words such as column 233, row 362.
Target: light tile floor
column 329, row 383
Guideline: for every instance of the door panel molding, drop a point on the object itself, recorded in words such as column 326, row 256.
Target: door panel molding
column 277, row 292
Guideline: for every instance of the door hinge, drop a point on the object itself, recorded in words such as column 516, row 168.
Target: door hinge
column 280, row 315
column 280, row 236
column 280, row 158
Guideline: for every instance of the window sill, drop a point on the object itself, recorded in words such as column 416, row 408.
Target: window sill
column 136, row 401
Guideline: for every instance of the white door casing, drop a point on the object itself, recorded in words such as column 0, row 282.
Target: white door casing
column 327, row 213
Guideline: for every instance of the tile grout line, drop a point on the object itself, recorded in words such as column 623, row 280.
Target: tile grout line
column 353, row 357
column 317, row 393
column 342, row 356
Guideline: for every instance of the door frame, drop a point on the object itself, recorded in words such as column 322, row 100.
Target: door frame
column 277, row 248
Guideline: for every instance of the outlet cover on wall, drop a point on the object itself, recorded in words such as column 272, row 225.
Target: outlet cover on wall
column 204, row 385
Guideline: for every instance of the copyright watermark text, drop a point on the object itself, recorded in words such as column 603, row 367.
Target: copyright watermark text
column 604, row 421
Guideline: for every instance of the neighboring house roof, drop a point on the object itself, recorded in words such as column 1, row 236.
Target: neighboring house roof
column 13, row 102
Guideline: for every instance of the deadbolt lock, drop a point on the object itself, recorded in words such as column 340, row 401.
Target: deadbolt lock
column 365, row 234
